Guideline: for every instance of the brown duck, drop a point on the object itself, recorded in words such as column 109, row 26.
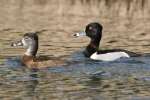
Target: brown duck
column 29, row 59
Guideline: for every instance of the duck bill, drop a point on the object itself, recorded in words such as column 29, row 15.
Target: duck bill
column 18, row 43
column 80, row 34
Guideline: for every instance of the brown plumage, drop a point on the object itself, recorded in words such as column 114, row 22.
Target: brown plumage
column 33, row 62
column 29, row 59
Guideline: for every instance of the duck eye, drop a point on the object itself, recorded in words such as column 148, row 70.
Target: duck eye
column 90, row 28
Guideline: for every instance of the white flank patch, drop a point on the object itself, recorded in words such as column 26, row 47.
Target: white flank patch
column 109, row 56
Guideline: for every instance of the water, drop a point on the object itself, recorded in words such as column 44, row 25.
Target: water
column 82, row 79
column 124, row 79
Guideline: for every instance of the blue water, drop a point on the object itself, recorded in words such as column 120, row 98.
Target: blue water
column 82, row 78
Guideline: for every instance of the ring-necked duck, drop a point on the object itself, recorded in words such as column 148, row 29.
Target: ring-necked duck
column 94, row 32
column 30, row 42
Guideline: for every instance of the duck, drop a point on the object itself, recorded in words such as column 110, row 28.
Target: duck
column 94, row 32
column 29, row 59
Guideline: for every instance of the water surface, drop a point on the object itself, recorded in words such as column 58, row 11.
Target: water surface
column 82, row 79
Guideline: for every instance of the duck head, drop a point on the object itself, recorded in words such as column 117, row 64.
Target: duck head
column 30, row 42
column 94, row 32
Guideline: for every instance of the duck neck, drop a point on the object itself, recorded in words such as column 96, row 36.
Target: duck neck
column 92, row 47
column 31, row 51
